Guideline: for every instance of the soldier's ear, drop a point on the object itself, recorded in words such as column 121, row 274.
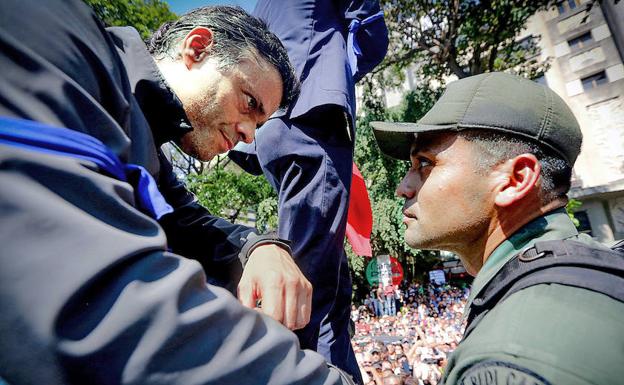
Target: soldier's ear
column 196, row 46
column 518, row 178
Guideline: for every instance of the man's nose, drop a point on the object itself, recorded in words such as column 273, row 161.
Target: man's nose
column 408, row 186
column 246, row 130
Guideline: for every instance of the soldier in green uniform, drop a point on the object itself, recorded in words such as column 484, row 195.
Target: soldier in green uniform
column 491, row 164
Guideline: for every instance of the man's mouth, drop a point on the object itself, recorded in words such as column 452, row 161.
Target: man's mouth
column 408, row 217
column 228, row 142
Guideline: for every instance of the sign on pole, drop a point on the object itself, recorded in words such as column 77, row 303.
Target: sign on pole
column 437, row 276
column 384, row 269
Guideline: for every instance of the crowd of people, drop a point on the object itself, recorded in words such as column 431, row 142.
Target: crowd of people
column 106, row 254
column 408, row 341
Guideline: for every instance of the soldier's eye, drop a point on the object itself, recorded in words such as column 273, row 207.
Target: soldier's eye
column 422, row 162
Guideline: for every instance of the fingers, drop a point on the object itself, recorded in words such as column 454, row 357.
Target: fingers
column 246, row 293
column 291, row 309
column 273, row 298
column 287, row 300
column 272, row 276
column 304, row 305
column 298, row 299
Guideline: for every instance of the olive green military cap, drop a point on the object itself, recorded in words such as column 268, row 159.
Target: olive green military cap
column 493, row 101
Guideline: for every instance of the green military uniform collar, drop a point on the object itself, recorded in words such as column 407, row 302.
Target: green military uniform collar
column 554, row 225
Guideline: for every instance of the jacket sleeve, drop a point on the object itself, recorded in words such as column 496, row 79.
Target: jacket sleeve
column 89, row 294
column 195, row 233
column 371, row 37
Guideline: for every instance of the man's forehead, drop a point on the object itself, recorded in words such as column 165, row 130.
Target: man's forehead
column 257, row 61
column 264, row 79
column 432, row 141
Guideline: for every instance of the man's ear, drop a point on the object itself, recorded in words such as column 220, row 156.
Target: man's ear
column 196, row 46
column 521, row 176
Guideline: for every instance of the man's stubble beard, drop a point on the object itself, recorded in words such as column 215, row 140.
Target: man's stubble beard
column 457, row 239
column 460, row 235
column 200, row 143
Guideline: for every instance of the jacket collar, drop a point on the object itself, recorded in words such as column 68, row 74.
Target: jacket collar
column 161, row 107
column 553, row 225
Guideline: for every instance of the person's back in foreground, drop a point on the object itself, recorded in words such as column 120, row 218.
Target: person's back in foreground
column 89, row 292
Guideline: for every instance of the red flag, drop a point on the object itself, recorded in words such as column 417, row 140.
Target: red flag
column 360, row 216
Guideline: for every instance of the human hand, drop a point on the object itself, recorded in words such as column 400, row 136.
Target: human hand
column 272, row 277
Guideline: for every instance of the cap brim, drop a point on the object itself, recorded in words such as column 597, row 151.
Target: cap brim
column 395, row 139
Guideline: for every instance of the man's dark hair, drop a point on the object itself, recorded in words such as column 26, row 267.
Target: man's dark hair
column 237, row 35
column 496, row 147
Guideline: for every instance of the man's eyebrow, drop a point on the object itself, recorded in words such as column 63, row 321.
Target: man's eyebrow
column 421, row 147
column 423, row 144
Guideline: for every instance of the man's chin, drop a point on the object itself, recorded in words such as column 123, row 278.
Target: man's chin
column 199, row 156
column 191, row 146
column 418, row 241
column 415, row 243
column 204, row 157
column 194, row 153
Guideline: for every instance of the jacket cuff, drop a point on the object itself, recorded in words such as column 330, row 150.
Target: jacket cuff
column 256, row 240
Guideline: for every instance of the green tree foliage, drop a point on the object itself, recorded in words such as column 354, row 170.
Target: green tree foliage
column 144, row 15
column 436, row 40
column 382, row 175
column 571, row 207
column 463, row 37
column 233, row 194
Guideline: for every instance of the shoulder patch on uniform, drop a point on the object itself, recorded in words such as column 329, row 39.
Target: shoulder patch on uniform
column 500, row 373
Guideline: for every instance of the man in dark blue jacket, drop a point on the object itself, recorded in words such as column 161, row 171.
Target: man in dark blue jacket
column 306, row 152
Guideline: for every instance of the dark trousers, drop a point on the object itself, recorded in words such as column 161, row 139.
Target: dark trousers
column 308, row 162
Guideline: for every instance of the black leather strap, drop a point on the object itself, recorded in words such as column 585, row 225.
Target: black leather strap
column 256, row 240
column 563, row 262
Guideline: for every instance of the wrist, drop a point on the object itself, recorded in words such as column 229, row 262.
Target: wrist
column 256, row 240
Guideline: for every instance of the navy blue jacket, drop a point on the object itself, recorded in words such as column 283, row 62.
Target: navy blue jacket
column 316, row 34
column 318, row 47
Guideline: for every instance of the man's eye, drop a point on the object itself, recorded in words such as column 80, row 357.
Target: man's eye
column 423, row 162
column 252, row 103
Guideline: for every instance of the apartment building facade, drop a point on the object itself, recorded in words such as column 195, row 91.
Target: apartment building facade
column 585, row 52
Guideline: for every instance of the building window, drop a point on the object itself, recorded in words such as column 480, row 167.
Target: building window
column 584, row 224
column 581, row 41
column 568, row 5
column 577, row 20
column 529, row 45
column 525, row 42
column 594, row 80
